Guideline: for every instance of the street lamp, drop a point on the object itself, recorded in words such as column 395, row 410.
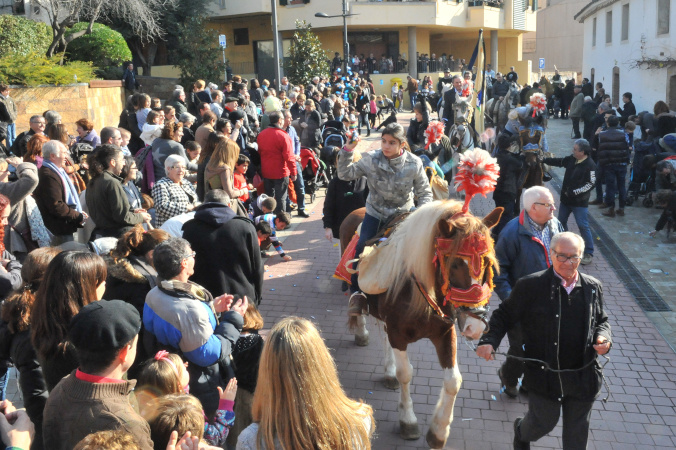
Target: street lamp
column 344, row 15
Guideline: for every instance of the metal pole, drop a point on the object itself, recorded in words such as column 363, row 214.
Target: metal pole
column 225, row 69
column 275, row 42
column 346, row 45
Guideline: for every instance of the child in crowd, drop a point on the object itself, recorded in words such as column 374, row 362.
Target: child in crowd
column 193, row 150
column 263, row 205
column 263, row 231
column 180, row 413
column 143, row 110
column 240, row 181
column 276, row 222
column 152, row 129
column 126, row 136
column 155, row 103
column 629, row 129
column 166, row 374
column 246, row 355
column 373, row 111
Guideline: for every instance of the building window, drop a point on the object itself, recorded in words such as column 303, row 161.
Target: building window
column 663, row 12
column 609, row 27
column 594, row 32
column 222, row 3
column 625, row 22
column 241, row 36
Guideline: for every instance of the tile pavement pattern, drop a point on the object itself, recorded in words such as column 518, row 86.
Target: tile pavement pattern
column 642, row 373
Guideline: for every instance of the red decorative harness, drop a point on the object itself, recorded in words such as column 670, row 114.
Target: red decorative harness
column 473, row 250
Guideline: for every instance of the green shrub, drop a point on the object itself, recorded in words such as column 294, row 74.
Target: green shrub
column 104, row 47
column 23, row 36
column 35, row 69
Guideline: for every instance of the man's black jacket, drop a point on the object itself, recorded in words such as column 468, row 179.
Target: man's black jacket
column 578, row 180
column 536, row 302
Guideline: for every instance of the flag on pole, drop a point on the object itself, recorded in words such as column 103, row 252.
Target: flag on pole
column 479, row 57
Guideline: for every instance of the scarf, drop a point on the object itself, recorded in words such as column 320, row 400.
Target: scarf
column 69, row 191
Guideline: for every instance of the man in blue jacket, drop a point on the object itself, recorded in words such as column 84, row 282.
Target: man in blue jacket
column 182, row 317
column 523, row 248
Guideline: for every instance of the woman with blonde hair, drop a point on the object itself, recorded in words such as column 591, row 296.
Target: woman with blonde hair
column 299, row 402
column 219, row 173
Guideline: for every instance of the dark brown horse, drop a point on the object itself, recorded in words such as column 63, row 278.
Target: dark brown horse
column 438, row 269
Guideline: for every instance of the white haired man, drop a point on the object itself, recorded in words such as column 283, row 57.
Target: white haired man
column 522, row 249
column 563, row 322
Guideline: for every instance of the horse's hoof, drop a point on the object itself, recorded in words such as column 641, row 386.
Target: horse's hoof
column 409, row 431
column 391, row 383
column 433, row 441
column 361, row 341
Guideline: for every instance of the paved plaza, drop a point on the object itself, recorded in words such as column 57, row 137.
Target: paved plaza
column 640, row 413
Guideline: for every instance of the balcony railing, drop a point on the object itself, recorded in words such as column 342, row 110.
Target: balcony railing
column 491, row 3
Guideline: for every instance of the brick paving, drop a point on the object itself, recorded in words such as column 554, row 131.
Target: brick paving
column 639, row 415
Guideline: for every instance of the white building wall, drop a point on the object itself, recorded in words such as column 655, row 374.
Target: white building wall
column 646, row 85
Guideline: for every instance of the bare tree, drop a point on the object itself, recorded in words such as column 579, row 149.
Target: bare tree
column 141, row 15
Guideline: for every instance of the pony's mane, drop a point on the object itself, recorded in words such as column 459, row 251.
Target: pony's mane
column 414, row 240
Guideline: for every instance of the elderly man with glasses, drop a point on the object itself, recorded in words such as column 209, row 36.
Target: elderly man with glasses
column 523, row 248
column 564, row 326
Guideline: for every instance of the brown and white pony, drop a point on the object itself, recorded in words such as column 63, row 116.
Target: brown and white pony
column 439, row 271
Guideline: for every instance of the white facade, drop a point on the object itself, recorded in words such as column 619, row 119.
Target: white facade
column 619, row 37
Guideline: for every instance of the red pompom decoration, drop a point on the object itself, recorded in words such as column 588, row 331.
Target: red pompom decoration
column 478, row 173
column 433, row 132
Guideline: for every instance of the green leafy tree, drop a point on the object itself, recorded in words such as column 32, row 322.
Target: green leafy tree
column 171, row 20
column 36, row 69
column 198, row 55
column 307, row 58
column 104, row 47
column 23, row 36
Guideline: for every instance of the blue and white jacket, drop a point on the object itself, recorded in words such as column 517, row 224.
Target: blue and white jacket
column 181, row 318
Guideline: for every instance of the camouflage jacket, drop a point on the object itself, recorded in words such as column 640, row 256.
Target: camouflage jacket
column 392, row 183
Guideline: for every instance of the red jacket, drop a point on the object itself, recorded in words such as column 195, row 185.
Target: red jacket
column 276, row 152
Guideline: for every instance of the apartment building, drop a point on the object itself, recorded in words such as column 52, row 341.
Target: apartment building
column 388, row 28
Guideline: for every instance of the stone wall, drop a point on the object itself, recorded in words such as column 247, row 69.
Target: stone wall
column 99, row 101
column 163, row 88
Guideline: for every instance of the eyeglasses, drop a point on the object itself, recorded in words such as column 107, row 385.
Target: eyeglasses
column 546, row 205
column 189, row 255
column 178, row 167
column 564, row 258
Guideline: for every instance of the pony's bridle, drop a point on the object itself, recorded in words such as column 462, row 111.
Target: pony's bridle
column 473, row 300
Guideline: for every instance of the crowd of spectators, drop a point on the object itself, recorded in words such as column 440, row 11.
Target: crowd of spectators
column 133, row 262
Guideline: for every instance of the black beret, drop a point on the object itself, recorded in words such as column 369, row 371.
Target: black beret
column 104, row 325
column 232, row 99
column 236, row 115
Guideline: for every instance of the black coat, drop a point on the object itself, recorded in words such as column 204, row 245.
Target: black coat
column 18, row 348
column 228, row 254
column 448, row 114
column 510, row 170
column 415, row 135
column 20, row 145
column 578, row 180
column 343, row 197
column 59, row 218
column 628, row 110
column 536, row 302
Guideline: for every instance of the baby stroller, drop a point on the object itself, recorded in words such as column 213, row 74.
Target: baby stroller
column 641, row 181
column 314, row 172
column 333, row 135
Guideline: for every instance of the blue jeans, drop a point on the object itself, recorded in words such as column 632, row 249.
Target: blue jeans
column 3, row 384
column 600, row 181
column 299, row 187
column 581, row 214
column 11, row 134
column 413, row 97
column 616, row 175
column 369, row 228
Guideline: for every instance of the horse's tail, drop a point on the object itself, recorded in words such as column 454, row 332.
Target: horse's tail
column 352, row 323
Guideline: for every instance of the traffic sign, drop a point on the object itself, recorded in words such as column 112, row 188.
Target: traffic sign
column 542, row 64
column 221, row 40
